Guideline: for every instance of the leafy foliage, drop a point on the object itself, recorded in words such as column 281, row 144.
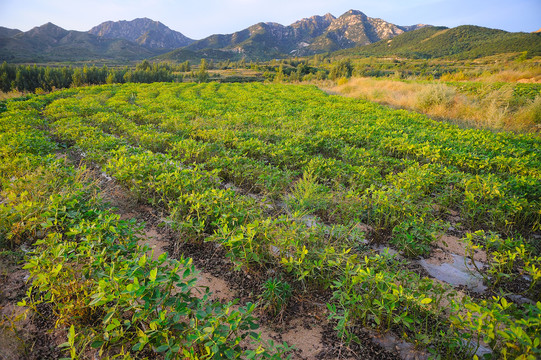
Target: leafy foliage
column 211, row 155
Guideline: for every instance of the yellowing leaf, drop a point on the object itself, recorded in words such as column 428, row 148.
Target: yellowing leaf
column 153, row 274
column 143, row 260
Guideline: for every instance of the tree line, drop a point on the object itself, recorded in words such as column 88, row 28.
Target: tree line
column 32, row 78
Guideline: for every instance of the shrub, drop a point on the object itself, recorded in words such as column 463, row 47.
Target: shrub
column 436, row 95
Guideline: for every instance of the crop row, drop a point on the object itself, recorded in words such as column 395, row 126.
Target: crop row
column 162, row 158
column 352, row 159
column 104, row 289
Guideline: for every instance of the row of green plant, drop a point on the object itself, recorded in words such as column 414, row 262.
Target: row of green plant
column 430, row 315
column 502, row 193
column 106, row 292
column 218, row 105
column 511, row 261
column 200, row 209
column 254, row 240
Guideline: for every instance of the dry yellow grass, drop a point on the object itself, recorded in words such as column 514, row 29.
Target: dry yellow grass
column 441, row 101
column 513, row 75
column 10, row 95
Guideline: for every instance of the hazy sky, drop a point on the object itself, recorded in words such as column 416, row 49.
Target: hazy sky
column 198, row 19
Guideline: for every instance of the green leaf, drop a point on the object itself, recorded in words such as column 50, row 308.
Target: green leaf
column 162, row 348
column 110, row 327
column 108, row 316
column 97, row 299
column 153, row 274
column 97, row 344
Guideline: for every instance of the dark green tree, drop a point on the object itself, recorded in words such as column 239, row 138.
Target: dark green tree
column 342, row 69
column 202, row 73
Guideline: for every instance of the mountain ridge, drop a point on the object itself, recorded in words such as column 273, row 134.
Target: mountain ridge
column 352, row 33
column 50, row 42
column 143, row 31
column 307, row 36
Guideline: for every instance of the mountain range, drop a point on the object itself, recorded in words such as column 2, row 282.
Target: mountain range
column 51, row 43
column 304, row 37
column 351, row 33
column 144, row 38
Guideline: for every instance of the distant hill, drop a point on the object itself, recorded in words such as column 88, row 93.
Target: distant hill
column 5, row 32
column 49, row 43
column 307, row 36
column 145, row 32
column 461, row 42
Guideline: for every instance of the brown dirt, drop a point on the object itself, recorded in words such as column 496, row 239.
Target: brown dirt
column 220, row 288
column 20, row 337
column 438, row 257
column 306, row 336
column 454, row 245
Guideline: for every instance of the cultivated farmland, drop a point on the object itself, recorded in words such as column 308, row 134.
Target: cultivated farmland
column 401, row 224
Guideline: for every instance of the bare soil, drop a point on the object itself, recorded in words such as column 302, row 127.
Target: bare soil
column 21, row 337
column 453, row 244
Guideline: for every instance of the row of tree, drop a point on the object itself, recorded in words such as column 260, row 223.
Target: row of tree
column 32, row 78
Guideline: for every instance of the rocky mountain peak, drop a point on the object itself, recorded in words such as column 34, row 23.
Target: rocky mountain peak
column 329, row 17
column 353, row 13
column 144, row 31
column 307, row 36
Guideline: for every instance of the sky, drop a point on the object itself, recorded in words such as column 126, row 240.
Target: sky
column 198, row 19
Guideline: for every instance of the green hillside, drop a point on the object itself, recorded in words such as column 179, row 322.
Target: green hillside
column 461, row 42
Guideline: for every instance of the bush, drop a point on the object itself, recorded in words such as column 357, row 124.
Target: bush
column 436, row 95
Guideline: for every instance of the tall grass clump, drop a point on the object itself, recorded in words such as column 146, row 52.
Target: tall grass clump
column 531, row 114
column 436, row 95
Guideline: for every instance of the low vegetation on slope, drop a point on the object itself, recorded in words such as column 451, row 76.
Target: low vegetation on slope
column 462, row 42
